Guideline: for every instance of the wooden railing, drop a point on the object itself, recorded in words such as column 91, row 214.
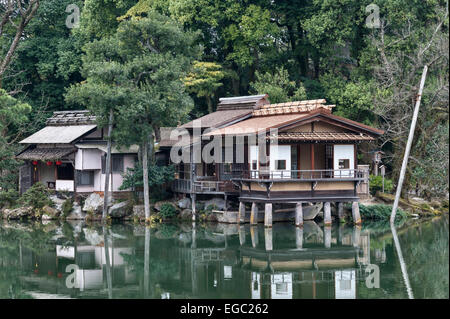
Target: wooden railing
column 181, row 185
column 325, row 174
column 184, row 186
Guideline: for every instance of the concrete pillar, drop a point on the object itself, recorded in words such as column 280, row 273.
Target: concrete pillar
column 193, row 207
column 242, row 235
column 299, row 237
column 355, row 213
column 356, row 235
column 340, row 207
column 241, row 213
column 327, row 213
column 327, row 236
column 268, row 239
column 298, row 214
column 268, row 215
column 254, row 235
column 254, row 214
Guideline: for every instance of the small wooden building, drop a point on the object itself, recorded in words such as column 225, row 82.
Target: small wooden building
column 69, row 154
column 306, row 154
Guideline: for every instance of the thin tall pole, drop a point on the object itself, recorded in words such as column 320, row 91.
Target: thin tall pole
column 402, row 263
column 108, row 166
column 408, row 145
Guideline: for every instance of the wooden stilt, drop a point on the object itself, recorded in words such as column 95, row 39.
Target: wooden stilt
column 242, row 235
column 241, row 213
column 254, row 214
column 299, row 237
column 254, row 236
column 268, row 239
column 327, row 236
column 356, row 235
column 268, row 215
column 355, row 213
column 327, row 213
column 298, row 214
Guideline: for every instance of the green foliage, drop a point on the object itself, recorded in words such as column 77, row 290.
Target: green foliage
column 278, row 86
column 8, row 198
column 67, row 207
column 376, row 184
column 37, row 196
column 158, row 175
column 210, row 208
column 167, row 211
column 379, row 212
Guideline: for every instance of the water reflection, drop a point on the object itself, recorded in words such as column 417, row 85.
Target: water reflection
column 214, row 261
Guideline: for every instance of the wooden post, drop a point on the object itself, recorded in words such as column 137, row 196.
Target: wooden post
column 408, row 146
column 268, row 215
column 327, row 236
column 355, row 213
column 327, row 213
column 242, row 235
column 312, row 156
column 356, row 235
column 268, row 239
column 299, row 237
column 340, row 207
column 254, row 214
column 241, row 213
column 254, row 236
column 298, row 214
column 193, row 207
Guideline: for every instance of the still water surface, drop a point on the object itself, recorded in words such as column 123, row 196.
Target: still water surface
column 70, row 260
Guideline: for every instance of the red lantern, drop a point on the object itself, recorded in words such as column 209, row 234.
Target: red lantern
column 35, row 162
column 58, row 163
column 49, row 163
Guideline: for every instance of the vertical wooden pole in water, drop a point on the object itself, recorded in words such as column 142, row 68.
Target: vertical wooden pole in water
column 268, row 239
column 299, row 237
column 254, row 214
column 241, row 213
column 193, row 207
column 242, row 235
column 147, row 262
column 268, row 215
column 355, row 213
column 107, row 263
column 327, row 236
column 327, row 213
column 298, row 214
column 356, row 235
column 254, row 235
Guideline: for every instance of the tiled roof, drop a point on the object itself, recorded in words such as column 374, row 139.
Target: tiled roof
column 242, row 102
column 292, row 107
column 71, row 118
column 321, row 136
column 45, row 153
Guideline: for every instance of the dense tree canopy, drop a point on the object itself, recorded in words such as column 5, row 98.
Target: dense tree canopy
column 290, row 49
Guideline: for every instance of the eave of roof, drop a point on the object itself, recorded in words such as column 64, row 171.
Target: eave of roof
column 44, row 154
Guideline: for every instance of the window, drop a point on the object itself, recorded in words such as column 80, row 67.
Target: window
column 344, row 163
column 227, row 168
column 85, row 178
column 280, row 164
column 117, row 163
column 254, row 165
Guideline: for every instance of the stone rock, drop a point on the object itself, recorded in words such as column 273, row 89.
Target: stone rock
column 17, row 213
column 211, row 218
column 219, row 203
column 138, row 212
column 184, row 203
column 120, row 210
column 57, row 201
column 76, row 213
column 94, row 203
column 50, row 213
column 186, row 214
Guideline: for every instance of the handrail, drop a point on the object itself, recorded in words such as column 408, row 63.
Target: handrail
column 306, row 174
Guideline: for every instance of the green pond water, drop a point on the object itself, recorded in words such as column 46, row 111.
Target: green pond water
column 70, row 260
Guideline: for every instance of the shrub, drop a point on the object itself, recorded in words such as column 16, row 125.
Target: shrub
column 8, row 198
column 67, row 207
column 167, row 211
column 210, row 208
column 376, row 184
column 36, row 196
column 379, row 212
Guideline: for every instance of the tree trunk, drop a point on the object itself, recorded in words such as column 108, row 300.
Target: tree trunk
column 145, row 180
column 108, row 165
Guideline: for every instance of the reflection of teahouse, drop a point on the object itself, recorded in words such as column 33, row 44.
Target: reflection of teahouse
column 69, row 155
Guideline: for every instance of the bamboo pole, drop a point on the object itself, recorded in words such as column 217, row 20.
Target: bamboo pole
column 408, row 145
